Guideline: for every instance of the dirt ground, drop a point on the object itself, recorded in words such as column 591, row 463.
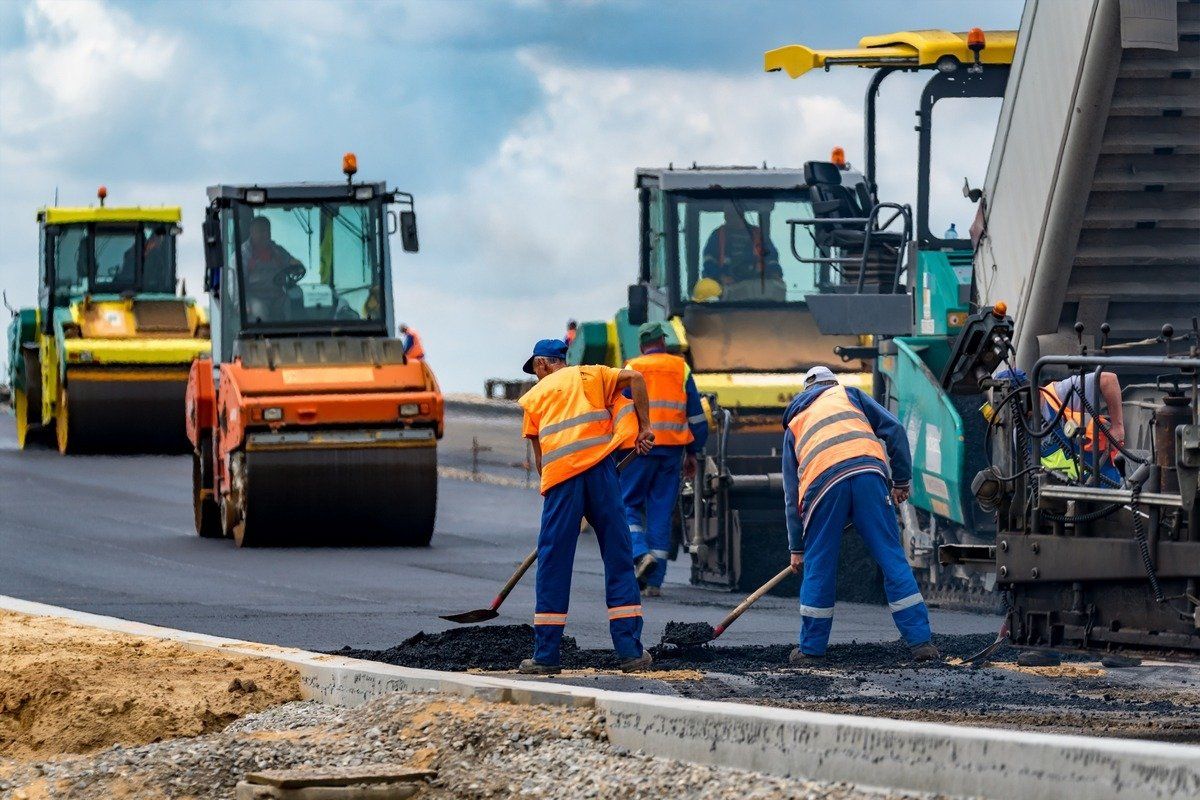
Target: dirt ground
column 1154, row 700
column 67, row 688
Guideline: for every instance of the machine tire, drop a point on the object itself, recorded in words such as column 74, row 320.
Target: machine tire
column 205, row 509
column 66, row 436
column 21, row 411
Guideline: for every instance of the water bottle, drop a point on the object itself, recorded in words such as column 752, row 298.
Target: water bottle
column 951, row 232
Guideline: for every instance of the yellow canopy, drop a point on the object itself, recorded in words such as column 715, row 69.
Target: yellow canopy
column 65, row 216
column 903, row 49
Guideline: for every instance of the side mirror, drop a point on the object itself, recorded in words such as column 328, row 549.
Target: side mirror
column 408, row 231
column 639, row 304
column 214, row 258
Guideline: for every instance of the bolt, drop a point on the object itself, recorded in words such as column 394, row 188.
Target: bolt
column 1034, row 572
column 1004, row 545
column 1004, row 572
column 1037, row 548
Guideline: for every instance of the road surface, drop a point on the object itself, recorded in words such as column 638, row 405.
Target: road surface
column 113, row 535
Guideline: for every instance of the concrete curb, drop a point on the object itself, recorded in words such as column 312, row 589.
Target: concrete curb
column 869, row 751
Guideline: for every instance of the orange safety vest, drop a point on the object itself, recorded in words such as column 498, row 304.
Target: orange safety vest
column 831, row 430
column 666, row 384
column 574, row 434
column 416, row 351
column 1074, row 419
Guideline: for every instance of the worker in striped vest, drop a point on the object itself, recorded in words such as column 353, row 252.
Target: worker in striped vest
column 835, row 471
column 650, row 485
column 569, row 419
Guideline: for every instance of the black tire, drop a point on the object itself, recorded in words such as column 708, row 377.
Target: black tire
column 204, row 506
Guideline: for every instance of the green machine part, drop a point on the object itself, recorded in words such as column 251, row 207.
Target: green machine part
column 945, row 432
column 21, row 330
column 612, row 342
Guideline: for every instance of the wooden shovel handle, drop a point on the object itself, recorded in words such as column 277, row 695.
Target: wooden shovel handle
column 515, row 579
column 752, row 599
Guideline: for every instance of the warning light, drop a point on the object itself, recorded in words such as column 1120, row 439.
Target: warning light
column 838, row 157
column 1000, row 309
column 349, row 164
column 102, row 193
column 975, row 43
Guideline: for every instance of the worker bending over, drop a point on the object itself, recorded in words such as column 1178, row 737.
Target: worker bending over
column 569, row 419
column 835, row 471
column 650, row 485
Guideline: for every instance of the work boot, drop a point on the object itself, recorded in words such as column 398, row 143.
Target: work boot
column 531, row 667
column 643, row 565
column 653, row 591
column 925, row 652
column 799, row 658
column 639, row 664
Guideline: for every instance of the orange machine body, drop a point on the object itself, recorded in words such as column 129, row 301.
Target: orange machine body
column 307, row 398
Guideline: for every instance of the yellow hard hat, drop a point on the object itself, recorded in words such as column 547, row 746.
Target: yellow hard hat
column 706, row 289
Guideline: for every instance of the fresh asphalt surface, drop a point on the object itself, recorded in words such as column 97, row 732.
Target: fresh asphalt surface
column 113, row 535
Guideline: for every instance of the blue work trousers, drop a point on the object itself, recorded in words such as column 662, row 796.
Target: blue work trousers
column 596, row 495
column 650, row 486
column 865, row 500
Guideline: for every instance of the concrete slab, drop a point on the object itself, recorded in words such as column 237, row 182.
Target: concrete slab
column 869, row 751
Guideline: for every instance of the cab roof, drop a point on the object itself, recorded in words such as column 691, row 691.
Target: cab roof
column 715, row 177
column 903, row 49
column 277, row 192
column 64, row 215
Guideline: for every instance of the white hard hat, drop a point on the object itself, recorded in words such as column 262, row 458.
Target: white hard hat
column 819, row 375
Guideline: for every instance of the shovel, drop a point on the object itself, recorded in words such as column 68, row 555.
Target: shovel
column 493, row 611
column 694, row 635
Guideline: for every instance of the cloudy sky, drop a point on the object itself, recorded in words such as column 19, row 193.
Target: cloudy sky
column 516, row 124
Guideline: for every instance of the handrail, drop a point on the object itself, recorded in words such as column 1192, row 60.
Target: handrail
column 870, row 225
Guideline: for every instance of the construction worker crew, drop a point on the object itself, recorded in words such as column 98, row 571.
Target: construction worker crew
column 650, row 485
column 569, row 419
column 412, row 341
column 835, row 471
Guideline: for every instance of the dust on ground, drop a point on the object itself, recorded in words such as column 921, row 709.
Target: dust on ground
column 479, row 750
column 69, row 688
column 1155, row 700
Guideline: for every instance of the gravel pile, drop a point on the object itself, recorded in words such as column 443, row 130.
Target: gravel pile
column 480, row 750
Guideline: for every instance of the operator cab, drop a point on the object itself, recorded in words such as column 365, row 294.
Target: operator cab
column 716, row 252
column 302, row 260
column 104, row 257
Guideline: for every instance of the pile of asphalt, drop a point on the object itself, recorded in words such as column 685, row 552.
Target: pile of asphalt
column 501, row 647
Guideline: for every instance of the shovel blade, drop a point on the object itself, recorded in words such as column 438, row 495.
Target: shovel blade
column 469, row 617
column 691, row 634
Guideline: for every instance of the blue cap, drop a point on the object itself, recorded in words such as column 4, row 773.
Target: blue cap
column 546, row 348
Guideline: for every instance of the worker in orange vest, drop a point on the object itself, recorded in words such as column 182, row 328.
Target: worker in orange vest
column 570, row 420
column 835, row 471
column 412, row 341
column 650, row 485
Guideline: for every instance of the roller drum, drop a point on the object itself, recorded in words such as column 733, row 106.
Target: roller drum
column 127, row 415
column 340, row 496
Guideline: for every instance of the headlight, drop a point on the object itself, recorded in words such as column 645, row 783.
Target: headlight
column 272, row 414
column 364, row 193
column 256, row 196
column 409, row 409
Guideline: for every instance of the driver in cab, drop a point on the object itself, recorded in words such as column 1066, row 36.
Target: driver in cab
column 265, row 262
column 742, row 263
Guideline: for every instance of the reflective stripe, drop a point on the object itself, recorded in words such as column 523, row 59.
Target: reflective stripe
column 696, row 419
column 629, row 409
column 816, row 612
column 574, row 447
column 906, row 602
column 668, row 404
column 841, row 438
column 582, row 419
column 549, row 619
column 660, row 553
column 636, row 529
column 668, row 426
column 841, row 416
column 624, row 612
